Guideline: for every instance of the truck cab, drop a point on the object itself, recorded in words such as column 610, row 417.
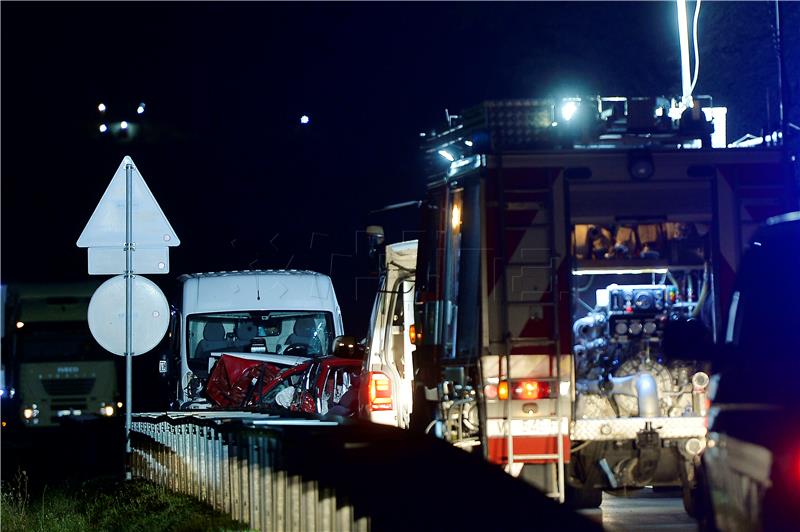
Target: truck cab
column 289, row 315
column 53, row 364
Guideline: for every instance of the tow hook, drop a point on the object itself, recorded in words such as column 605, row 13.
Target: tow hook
column 648, row 442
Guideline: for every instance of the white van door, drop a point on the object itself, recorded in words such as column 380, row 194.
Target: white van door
column 389, row 371
column 389, row 364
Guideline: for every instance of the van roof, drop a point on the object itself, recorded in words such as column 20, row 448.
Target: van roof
column 258, row 290
column 202, row 275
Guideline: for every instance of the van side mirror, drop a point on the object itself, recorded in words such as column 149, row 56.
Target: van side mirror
column 376, row 237
column 348, row 347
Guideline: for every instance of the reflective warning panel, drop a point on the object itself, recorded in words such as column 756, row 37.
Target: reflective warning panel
column 106, row 227
column 111, row 261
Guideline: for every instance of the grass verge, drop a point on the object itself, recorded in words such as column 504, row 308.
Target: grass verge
column 110, row 505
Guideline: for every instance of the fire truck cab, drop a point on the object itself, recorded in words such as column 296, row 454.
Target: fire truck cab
column 568, row 285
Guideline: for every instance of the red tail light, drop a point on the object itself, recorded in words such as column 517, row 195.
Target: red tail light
column 379, row 392
column 527, row 389
column 531, row 390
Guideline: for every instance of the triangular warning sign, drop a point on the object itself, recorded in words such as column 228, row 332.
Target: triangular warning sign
column 106, row 227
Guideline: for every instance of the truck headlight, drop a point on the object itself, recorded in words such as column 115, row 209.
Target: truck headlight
column 27, row 413
column 107, row 410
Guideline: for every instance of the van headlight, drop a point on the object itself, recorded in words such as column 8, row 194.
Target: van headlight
column 107, row 410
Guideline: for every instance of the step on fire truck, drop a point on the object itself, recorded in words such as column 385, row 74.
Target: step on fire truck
column 569, row 271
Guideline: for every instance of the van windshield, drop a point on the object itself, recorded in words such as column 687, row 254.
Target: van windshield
column 298, row 333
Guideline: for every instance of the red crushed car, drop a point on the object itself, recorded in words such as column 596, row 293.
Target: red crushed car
column 321, row 385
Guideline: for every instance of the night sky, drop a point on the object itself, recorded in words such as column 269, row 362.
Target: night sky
column 242, row 182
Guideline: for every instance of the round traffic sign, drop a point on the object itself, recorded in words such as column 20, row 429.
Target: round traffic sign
column 107, row 315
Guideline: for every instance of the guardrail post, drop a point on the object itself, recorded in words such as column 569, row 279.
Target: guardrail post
column 294, row 500
column 244, row 468
column 197, row 463
column 254, row 476
column 236, row 499
column 309, row 502
column 327, row 506
column 174, row 459
column 225, row 472
column 280, row 490
column 181, row 452
column 212, row 465
column 186, row 459
column 267, row 484
column 241, row 470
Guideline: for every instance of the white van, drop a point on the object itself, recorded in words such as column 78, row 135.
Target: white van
column 388, row 367
column 286, row 315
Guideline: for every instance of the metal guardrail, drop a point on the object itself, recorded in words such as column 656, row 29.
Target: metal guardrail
column 242, row 464
column 281, row 474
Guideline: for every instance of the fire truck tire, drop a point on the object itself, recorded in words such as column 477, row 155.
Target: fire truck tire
column 689, row 496
column 702, row 505
column 582, row 498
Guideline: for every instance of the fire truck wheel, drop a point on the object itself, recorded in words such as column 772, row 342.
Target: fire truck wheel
column 689, row 496
column 702, row 506
column 582, row 498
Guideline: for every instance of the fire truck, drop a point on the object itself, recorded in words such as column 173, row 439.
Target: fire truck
column 575, row 265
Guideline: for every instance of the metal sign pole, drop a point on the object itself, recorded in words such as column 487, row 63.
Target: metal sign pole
column 128, row 313
column 109, row 228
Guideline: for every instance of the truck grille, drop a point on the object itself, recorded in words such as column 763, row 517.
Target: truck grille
column 68, row 404
column 68, row 386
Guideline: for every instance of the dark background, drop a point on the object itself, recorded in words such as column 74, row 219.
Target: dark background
column 243, row 184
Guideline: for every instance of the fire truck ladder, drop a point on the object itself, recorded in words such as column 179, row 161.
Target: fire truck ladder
column 548, row 261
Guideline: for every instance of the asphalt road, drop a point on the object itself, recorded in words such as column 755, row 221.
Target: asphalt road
column 643, row 510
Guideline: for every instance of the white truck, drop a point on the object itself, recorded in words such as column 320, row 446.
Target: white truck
column 286, row 315
column 53, row 368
